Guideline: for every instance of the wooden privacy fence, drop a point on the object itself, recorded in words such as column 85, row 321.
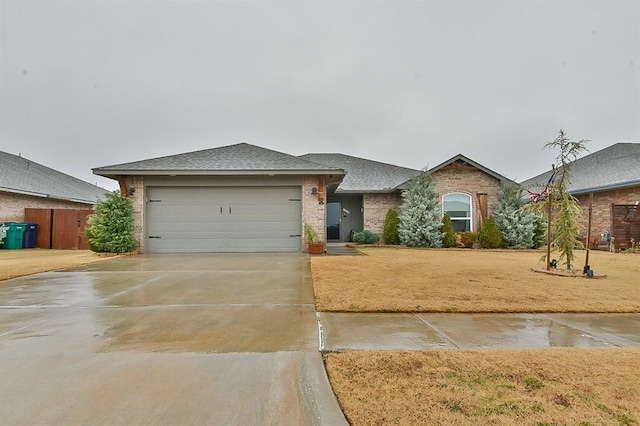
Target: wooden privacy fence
column 59, row 228
column 625, row 225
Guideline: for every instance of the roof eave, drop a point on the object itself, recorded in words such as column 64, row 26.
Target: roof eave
column 366, row 191
column 42, row 195
column 112, row 173
column 605, row 188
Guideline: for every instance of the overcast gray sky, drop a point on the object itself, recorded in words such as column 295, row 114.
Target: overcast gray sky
column 91, row 83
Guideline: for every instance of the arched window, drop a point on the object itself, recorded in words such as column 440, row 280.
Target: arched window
column 458, row 206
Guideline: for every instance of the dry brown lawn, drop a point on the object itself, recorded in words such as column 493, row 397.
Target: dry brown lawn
column 501, row 387
column 17, row 263
column 456, row 280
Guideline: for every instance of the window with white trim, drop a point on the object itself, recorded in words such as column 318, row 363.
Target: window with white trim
column 458, row 206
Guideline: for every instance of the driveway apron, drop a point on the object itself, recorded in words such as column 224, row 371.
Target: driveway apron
column 221, row 339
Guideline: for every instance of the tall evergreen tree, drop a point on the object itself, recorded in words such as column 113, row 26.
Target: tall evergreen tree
column 516, row 223
column 420, row 224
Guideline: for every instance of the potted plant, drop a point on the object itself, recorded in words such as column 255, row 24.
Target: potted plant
column 313, row 241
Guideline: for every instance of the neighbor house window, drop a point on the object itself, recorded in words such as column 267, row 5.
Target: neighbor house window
column 458, row 206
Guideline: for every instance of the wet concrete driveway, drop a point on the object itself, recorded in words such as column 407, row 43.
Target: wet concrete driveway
column 165, row 339
column 342, row 331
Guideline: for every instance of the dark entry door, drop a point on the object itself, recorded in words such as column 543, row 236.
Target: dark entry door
column 333, row 221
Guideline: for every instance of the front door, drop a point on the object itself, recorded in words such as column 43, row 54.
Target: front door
column 334, row 215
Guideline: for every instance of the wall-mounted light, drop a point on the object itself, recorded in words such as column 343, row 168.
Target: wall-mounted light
column 314, row 191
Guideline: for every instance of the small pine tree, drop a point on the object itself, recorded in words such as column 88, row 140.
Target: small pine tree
column 516, row 223
column 449, row 239
column 110, row 228
column 539, row 232
column 391, row 225
column 420, row 219
column 490, row 235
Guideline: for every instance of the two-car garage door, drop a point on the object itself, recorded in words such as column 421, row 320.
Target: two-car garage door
column 223, row 219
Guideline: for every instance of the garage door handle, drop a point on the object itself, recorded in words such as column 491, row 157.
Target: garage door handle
column 154, row 236
column 220, row 209
column 294, row 235
column 229, row 210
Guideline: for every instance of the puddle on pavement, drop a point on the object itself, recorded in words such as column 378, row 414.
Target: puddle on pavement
column 208, row 329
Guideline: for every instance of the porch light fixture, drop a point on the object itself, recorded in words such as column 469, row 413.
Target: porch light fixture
column 314, row 191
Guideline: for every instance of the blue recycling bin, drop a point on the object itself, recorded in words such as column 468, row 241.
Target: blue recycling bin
column 29, row 236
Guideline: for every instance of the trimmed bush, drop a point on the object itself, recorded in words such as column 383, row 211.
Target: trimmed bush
column 490, row 235
column 449, row 239
column 365, row 237
column 466, row 239
column 391, row 226
column 110, row 228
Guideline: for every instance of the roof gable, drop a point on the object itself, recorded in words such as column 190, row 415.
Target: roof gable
column 470, row 162
column 241, row 158
column 364, row 176
column 22, row 176
column 613, row 167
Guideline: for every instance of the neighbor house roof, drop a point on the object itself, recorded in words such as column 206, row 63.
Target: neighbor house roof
column 364, row 175
column 241, row 158
column 614, row 167
column 22, row 176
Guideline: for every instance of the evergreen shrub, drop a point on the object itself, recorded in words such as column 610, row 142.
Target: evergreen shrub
column 490, row 235
column 391, row 225
column 365, row 237
column 420, row 224
column 449, row 238
column 110, row 228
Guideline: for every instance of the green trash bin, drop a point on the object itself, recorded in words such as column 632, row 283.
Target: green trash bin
column 15, row 232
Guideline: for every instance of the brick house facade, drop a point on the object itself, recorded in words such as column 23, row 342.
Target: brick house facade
column 601, row 219
column 612, row 175
column 12, row 205
column 461, row 176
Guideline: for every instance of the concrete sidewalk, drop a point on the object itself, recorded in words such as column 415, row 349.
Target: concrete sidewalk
column 405, row 331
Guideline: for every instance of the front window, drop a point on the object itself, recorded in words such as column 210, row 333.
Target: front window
column 458, row 206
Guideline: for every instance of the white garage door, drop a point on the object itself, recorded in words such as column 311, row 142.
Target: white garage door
column 229, row 219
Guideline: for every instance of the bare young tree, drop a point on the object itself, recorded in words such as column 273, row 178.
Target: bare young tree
column 566, row 210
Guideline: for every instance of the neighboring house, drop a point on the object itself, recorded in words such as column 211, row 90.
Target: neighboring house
column 611, row 178
column 27, row 184
column 247, row 198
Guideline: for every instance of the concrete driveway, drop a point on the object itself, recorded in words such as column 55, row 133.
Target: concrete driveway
column 165, row 339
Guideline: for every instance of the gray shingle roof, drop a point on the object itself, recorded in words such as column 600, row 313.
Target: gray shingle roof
column 613, row 167
column 239, row 158
column 364, row 175
column 23, row 176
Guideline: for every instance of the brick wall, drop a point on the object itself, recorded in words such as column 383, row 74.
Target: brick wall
column 12, row 205
column 135, row 186
column 601, row 212
column 462, row 177
column 313, row 212
column 376, row 207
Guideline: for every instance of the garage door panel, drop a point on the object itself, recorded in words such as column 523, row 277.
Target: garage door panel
column 207, row 219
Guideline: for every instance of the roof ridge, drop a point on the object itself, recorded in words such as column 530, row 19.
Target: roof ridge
column 361, row 158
